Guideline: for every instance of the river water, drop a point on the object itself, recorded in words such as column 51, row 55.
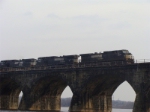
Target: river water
column 65, row 109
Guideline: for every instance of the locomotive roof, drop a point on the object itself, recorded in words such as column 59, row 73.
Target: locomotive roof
column 116, row 50
column 9, row 60
column 89, row 54
column 75, row 55
column 28, row 59
column 50, row 57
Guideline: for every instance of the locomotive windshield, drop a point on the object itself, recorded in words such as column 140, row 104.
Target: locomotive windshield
column 125, row 51
column 129, row 56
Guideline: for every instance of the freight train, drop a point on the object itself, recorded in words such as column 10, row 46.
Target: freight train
column 116, row 57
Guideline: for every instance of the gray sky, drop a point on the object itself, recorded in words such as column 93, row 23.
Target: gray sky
column 35, row 28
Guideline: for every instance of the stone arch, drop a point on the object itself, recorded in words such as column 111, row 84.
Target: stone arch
column 46, row 93
column 95, row 94
column 115, row 88
column 9, row 93
column 101, row 86
column 97, row 91
column 124, row 94
column 102, row 93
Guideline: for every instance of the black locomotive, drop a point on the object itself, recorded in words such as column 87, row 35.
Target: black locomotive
column 18, row 63
column 91, row 58
column 10, row 63
column 116, row 57
column 109, row 57
column 55, row 60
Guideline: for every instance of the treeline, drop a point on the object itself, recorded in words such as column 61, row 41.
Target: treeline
column 122, row 104
column 65, row 102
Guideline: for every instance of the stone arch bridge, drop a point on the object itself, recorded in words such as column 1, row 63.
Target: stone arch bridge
column 92, row 87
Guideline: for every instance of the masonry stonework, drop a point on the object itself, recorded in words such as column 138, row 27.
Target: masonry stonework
column 92, row 87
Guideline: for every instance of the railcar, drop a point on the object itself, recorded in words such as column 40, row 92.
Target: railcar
column 71, row 59
column 10, row 63
column 116, row 57
column 28, row 62
column 91, row 57
column 56, row 60
column 50, row 61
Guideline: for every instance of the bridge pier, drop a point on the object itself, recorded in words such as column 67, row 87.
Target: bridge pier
column 139, row 104
column 76, row 103
column 102, row 103
column 9, row 102
column 148, row 106
column 99, row 103
column 142, row 103
column 109, row 103
column 46, row 103
column 148, row 102
column 4, row 102
column 41, row 103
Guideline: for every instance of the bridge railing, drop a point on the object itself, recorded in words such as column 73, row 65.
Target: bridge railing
column 69, row 66
column 142, row 61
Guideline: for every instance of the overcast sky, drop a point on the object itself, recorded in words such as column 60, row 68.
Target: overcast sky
column 35, row 28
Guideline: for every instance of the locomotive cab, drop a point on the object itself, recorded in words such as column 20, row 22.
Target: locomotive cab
column 128, row 56
column 71, row 59
column 118, row 56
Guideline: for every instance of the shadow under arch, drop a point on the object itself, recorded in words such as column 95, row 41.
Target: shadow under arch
column 9, row 93
column 95, row 94
column 103, row 83
column 98, row 90
column 46, row 93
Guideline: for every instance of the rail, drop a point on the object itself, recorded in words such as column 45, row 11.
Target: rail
column 105, row 64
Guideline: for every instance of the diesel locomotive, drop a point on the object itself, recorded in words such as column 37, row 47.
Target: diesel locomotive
column 56, row 60
column 116, row 57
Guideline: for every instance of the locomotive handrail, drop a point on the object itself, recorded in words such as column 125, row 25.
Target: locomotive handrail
column 142, row 61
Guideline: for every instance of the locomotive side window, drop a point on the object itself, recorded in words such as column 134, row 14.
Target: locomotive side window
column 125, row 52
